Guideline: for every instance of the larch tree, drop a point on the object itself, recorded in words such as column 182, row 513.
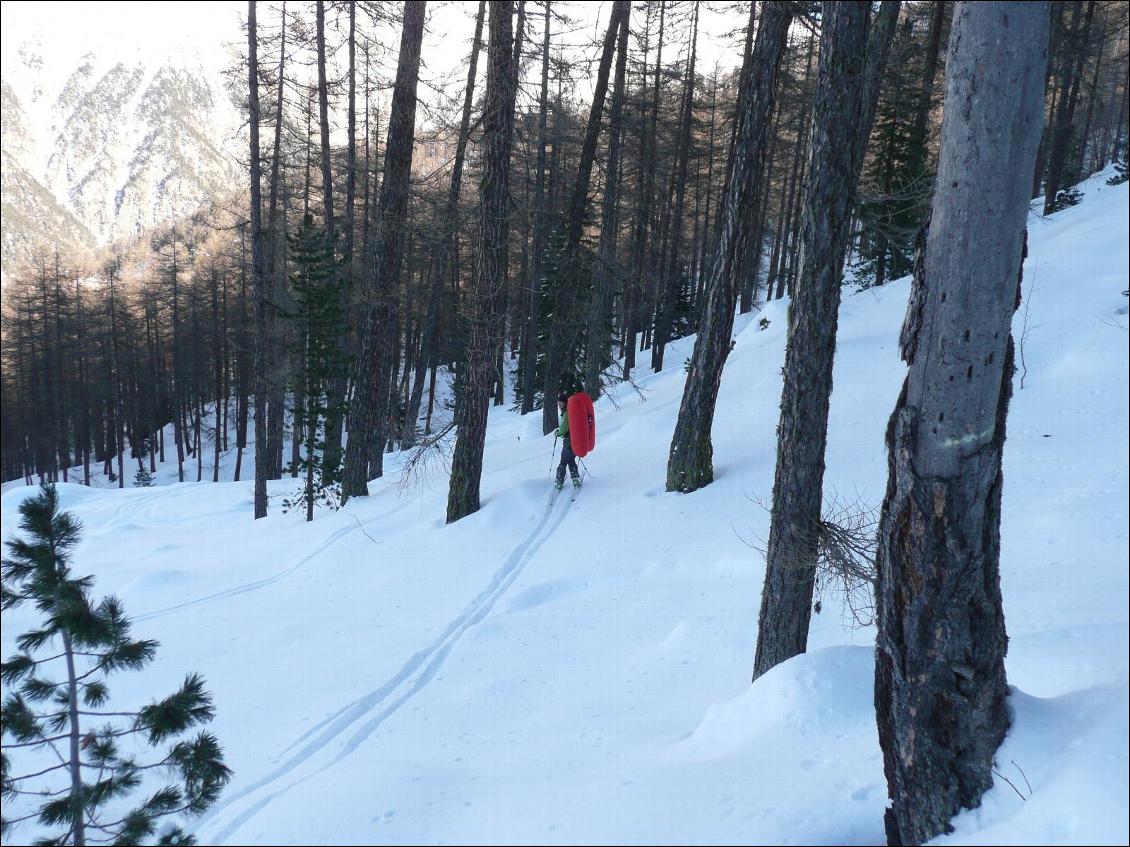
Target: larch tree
column 940, row 688
column 690, row 461
column 528, row 365
column 373, row 374
column 483, row 306
column 567, row 328
column 446, row 245
column 850, row 66
column 598, row 342
column 258, row 282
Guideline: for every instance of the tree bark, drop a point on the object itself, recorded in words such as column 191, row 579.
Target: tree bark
column 598, row 341
column 568, row 325
column 430, row 330
column 530, row 325
column 369, row 415
column 665, row 312
column 851, row 63
column 940, row 688
column 484, row 304
column 690, row 462
column 261, row 457
column 643, row 208
column 1066, row 115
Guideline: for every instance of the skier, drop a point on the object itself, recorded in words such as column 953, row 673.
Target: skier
column 567, row 456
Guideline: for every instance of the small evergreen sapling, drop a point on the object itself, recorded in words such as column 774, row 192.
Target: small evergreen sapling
column 320, row 323
column 1121, row 174
column 75, row 775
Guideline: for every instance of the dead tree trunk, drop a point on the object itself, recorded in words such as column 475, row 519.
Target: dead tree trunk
column 690, row 462
column 939, row 677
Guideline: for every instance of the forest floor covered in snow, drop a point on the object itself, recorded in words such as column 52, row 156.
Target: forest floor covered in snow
column 552, row 670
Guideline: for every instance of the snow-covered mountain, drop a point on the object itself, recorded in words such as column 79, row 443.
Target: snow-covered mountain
column 101, row 146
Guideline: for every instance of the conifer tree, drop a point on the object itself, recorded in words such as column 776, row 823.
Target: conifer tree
column 320, row 323
column 56, row 693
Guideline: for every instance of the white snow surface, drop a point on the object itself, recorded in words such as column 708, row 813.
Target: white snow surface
column 572, row 672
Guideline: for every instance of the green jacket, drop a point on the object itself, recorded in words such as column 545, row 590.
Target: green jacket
column 563, row 430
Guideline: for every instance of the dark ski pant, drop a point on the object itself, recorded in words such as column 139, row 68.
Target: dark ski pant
column 567, row 458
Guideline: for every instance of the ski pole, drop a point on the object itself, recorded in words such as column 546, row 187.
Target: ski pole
column 583, row 465
column 552, row 454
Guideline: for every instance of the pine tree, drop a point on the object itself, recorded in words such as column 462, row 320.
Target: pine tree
column 86, row 792
column 320, row 323
column 143, row 478
column 896, row 183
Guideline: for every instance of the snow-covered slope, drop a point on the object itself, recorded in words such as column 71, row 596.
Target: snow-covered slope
column 551, row 671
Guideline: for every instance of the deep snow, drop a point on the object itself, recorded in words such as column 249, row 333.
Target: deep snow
column 549, row 671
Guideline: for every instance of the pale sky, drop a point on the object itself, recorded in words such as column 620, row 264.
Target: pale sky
column 209, row 27
column 209, row 33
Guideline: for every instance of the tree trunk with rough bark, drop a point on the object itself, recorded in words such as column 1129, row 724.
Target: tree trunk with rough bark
column 429, row 332
column 530, row 324
column 369, row 414
column 940, row 688
column 669, row 275
column 568, row 324
column 484, row 304
column 847, row 90
column 600, row 304
column 690, row 462
column 261, row 340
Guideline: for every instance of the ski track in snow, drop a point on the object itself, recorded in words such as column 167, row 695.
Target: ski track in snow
column 271, row 580
column 416, row 673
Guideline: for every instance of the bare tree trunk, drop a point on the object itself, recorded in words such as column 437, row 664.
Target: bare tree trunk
column 568, row 324
column 643, row 210
column 851, row 63
column 530, row 325
column 1062, row 134
column 369, row 416
column 261, row 340
column 218, row 366
column 940, row 688
column 351, row 141
column 490, row 268
column 600, row 306
column 690, row 462
column 430, row 331
column 670, row 282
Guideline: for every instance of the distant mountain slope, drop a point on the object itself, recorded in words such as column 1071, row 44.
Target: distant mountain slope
column 99, row 148
column 32, row 220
